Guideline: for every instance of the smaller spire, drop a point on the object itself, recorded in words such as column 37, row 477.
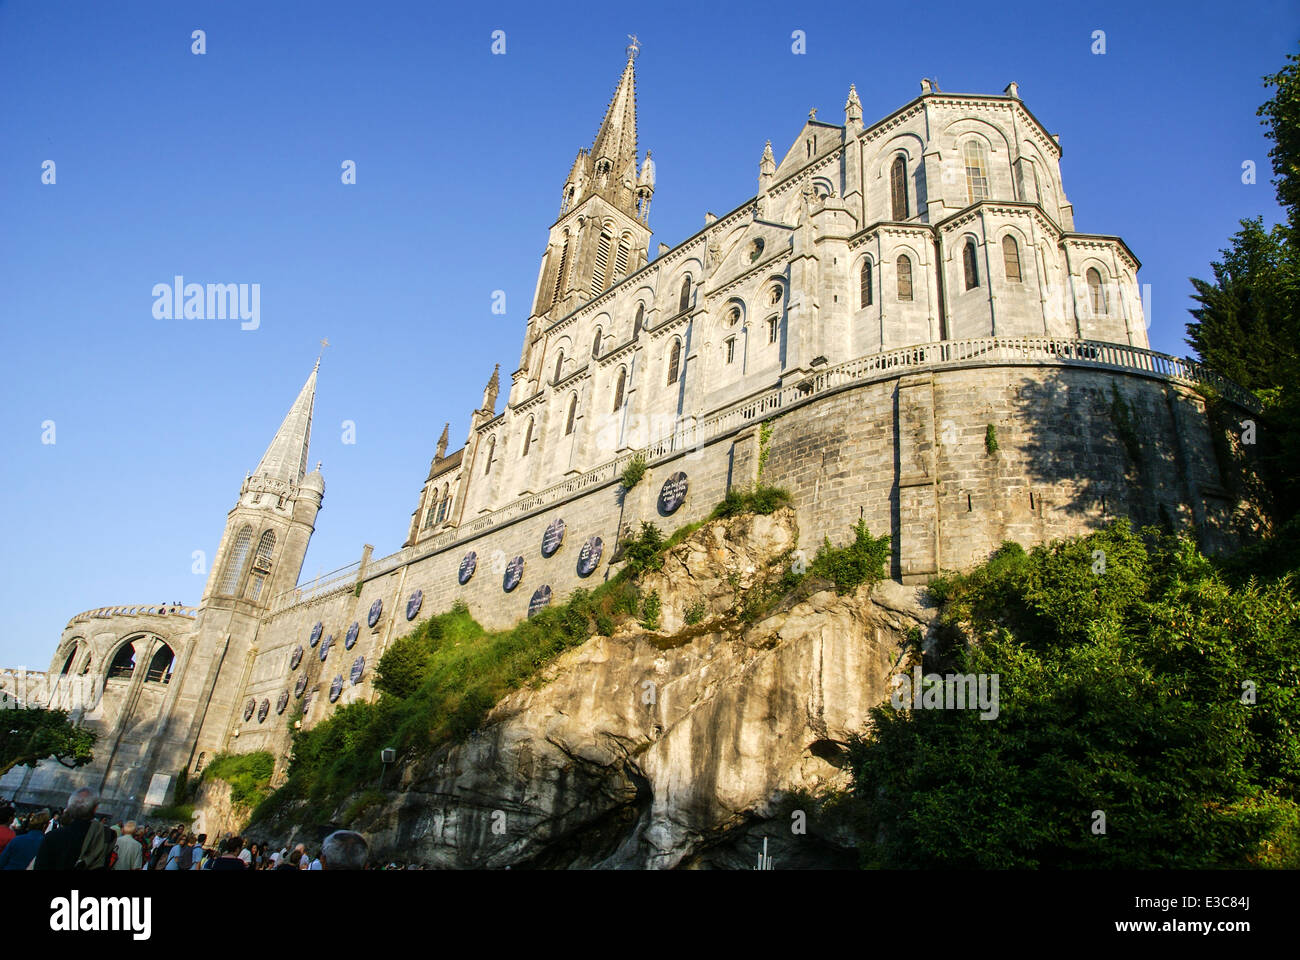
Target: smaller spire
column 442, row 443
column 852, row 107
column 491, row 390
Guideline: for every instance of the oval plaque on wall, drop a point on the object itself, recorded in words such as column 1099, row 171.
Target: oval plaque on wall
column 300, row 686
column 316, row 632
column 349, row 641
column 306, row 704
column 376, row 609
column 468, row 566
column 296, row 657
column 514, row 573
column 325, row 647
column 358, row 669
column 413, row 604
column 282, row 702
column 672, row 493
column 249, row 708
column 336, row 687
column 540, row 601
column 263, row 710
column 589, row 556
column 553, row 538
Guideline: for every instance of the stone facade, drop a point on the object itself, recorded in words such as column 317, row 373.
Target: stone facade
column 937, row 351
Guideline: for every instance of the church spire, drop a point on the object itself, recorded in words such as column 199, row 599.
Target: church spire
column 616, row 139
column 286, row 458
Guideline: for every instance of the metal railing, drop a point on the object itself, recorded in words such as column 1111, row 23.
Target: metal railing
column 157, row 609
column 945, row 354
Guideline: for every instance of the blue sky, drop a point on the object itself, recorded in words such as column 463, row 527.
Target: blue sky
column 226, row 168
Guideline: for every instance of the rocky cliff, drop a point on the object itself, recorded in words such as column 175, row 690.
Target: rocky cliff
column 684, row 746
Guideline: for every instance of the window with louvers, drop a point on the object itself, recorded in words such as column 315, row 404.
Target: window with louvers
column 602, row 264
column 559, row 272
column 620, row 260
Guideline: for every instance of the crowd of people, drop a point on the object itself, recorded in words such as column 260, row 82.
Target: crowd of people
column 76, row 839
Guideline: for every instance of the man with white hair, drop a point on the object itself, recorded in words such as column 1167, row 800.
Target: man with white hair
column 130, row 855
column 81, row 842
column 344, row 850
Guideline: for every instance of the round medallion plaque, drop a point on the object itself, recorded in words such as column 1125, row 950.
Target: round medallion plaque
column 468, row 566
column 263, row 710
column 282, row 702
column 589, row 556
column 358, row 669
column 349, row 641
column 325, row 647
column 376, row 609
column 553, row 538
column 249, row 708
column 672, row 493
column 336, row 687
column 300, row 686
column 540, row 601
column 316, row 632
column 514, row 573
column 413, row 604
column 296, row 657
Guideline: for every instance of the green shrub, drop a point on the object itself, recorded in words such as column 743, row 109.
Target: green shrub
column 695, row 613
column 634, row 471
column 644, row 551
column 991, row 439
column 760, row 499
column 249, row 775
column 849, row 567
column 650, row 611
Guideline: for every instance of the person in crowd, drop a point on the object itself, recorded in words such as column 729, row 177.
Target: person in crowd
column 21, row 850
column 292, row 862
column 82, row 842
column 201, row 852
column 230, row 858
column 130, row 855
column 344, row 850
column 6, row 825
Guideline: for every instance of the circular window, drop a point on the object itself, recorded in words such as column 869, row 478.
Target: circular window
column 755, row 249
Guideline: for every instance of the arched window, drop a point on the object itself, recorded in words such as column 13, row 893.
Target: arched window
column 977, row 170
column 431, row 512
column 898, row 188
column 67, row 664
column 773, row 329
column 620, row 258
column 864, row 284
column 619, row 386
column 639, row 321
column 573, row 413
column 123, row 664
column 491, row 451
column 528, row 437
column 559, row 366
column 1096, row 293
column 904, row 277
column 235, row 562
column 444, row 505
column 595, row 344
column 774, row 297
column 602, row 265
column 970, row 266
column 1011, row 258
column 560, row 268
column 674, row 361
column 160, row 666
column 261, row 563
column 684, row 301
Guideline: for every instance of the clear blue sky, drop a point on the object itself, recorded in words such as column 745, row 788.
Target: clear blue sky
column 226, row 168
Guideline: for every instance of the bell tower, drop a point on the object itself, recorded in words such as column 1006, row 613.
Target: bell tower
column 602, row 233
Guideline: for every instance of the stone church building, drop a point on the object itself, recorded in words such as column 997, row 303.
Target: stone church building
column 893, row 295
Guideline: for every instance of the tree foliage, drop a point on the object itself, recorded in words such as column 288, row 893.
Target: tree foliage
column 28, row 736
column 1157, row 692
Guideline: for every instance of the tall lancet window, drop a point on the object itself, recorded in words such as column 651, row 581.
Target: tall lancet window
column 620, row 258
column 444, row 505
column 528, row 437
column 639, row 320
column 491, row 452
column 602, row 265
column 864, row 284
column 235, row 562
column 573, row 414
column 674, row 361
column 560, row 268
column 595, row 344
column 559, row 366
column 1096, row 293
column 977, row 170
column 619, row 387
column 898, row 188
column 969, row 265
column 684, row 301
column 1011, row 258
column 261, row 564
column 904, row 267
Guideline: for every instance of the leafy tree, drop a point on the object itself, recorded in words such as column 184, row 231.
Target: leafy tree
column 28, row 736
column 1134, row 680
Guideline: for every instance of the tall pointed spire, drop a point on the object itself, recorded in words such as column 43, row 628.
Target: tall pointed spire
column 286, row 458
column 616, row 138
